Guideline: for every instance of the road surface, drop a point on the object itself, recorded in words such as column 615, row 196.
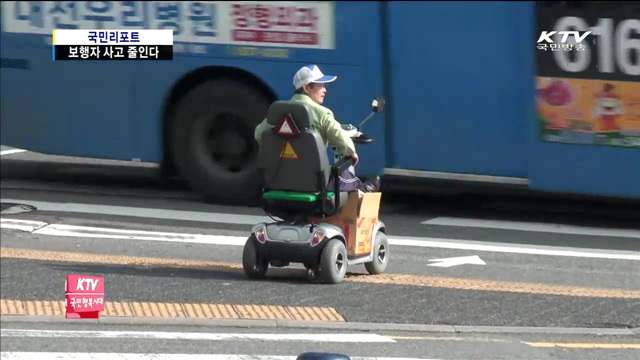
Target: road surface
column 510, row 271
column 34, row 341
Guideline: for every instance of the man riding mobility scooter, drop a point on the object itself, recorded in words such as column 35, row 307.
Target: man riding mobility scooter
column 322, row 228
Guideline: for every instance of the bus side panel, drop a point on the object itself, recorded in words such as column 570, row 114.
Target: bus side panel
column 349, row 98
column 570, row 161
column 65, row 108
column 59, row 108
column 20, row 111
column 586, row 170
column 459, row 91
column 114, row 110
column 355, row 60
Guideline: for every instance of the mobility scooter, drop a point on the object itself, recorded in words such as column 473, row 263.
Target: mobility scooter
column 322, row 228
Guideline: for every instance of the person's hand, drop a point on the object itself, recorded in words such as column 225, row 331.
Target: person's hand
column 355, row 159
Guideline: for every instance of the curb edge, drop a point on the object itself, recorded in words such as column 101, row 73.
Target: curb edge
column 325, row 325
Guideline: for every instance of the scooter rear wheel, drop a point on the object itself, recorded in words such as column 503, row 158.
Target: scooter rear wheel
column 254, row 267
column 333, row 262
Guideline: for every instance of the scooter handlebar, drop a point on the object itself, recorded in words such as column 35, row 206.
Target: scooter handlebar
column 357, row 136
column 344, row 163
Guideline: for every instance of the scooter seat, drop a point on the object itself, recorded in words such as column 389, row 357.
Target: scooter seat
column 288, row 203
column 294, row 196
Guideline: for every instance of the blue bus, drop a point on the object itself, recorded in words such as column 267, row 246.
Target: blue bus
column 473, row 92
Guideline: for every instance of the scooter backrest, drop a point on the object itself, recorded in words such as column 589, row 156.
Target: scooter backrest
column 293, row 163
column 300, row 113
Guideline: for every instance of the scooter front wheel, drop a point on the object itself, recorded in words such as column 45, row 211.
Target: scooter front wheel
column 310, row 274
column 380, row 255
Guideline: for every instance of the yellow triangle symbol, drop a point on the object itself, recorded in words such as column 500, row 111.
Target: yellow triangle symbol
column 288, row 153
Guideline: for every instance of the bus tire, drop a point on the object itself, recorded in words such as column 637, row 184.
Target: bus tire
column 205, row 110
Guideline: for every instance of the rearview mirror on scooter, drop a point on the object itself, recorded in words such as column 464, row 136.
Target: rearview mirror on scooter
column 377, row 105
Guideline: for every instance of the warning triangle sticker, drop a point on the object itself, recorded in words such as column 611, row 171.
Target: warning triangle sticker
column 287, row 127
column 288, row 152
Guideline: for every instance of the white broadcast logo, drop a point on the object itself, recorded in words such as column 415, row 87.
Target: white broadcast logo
column 615, row 46
column 546, row 36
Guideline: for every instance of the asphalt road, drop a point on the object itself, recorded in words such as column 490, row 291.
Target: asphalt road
column 534, row 262
column 176, row 342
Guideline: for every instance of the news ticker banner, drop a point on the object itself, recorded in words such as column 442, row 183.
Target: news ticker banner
column 100, row 44
column 84, row 296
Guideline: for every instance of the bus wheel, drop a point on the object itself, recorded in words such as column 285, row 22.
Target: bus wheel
column 213, row 143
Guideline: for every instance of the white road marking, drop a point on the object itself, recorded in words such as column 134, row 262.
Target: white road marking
column 64, row 230
column 243, row 219
column 22, row 225
column 460, row 260
column 37, row 227
column 103, row 334
column 137, row 356
column 11, row 151
column 128, row 211
column 529, row 226
column 519, row 249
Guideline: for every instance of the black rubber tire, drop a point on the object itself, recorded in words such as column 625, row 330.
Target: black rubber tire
column 194, row 160
column 333, row 251
column 254, row 267
column 377, row 266
column 310, row 275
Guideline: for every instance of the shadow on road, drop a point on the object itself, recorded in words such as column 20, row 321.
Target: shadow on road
column 274, row 276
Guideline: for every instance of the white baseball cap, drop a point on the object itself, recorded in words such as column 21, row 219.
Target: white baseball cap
column 311, row 74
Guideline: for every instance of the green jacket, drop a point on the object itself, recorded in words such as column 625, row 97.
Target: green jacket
column 323, row 122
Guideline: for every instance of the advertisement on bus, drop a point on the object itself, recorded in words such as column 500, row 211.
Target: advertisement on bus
column 588, row 73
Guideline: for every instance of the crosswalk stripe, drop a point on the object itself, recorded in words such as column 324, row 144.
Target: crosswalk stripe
column 134, row 356
column 98, row 334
